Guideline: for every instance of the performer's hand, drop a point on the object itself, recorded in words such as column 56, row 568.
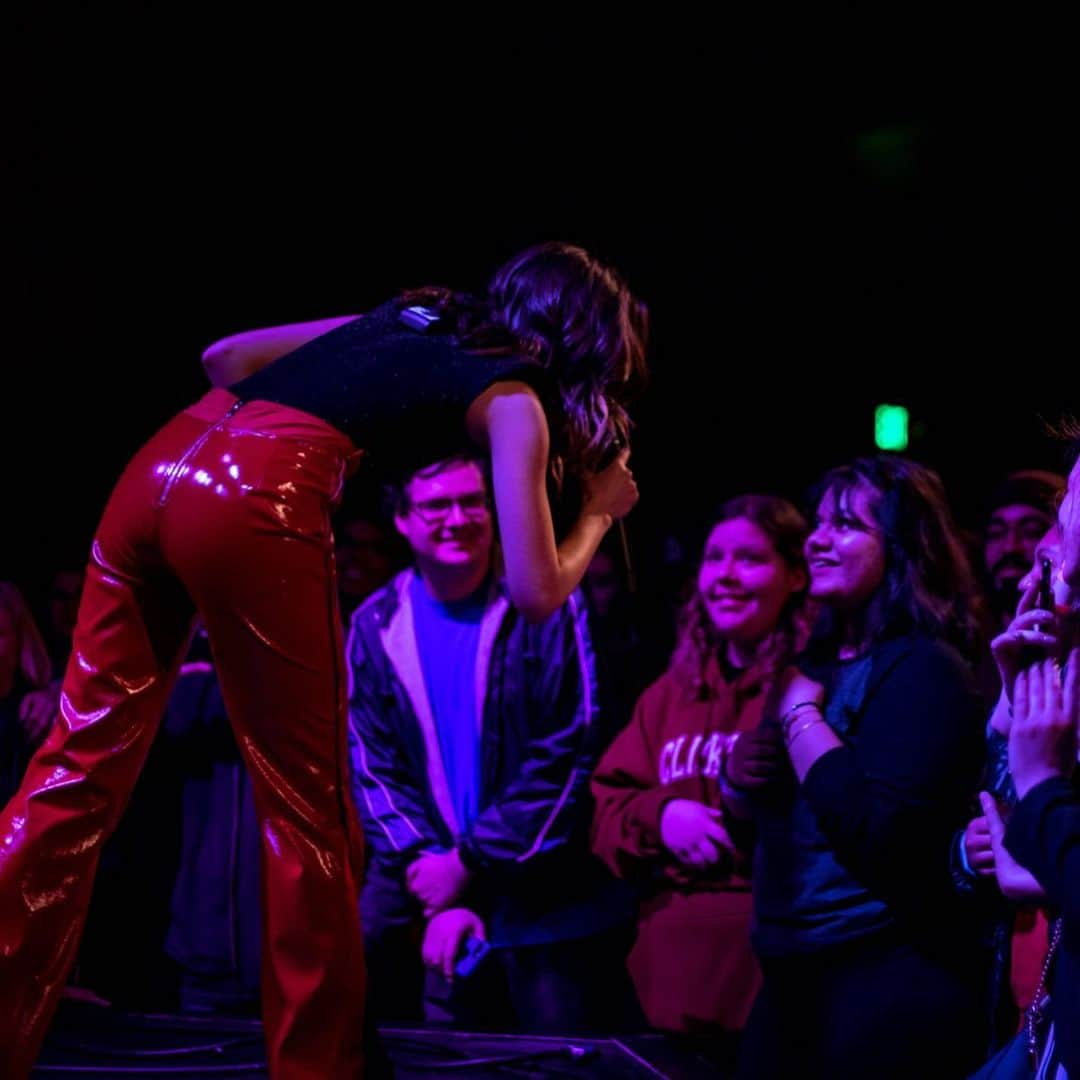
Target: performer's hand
column 437, row 880
column 444, row 936
column 611, row 491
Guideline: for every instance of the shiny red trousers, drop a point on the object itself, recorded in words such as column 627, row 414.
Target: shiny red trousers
column 224, row 513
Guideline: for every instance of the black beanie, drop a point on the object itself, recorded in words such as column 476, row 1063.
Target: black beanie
column 1028, row 487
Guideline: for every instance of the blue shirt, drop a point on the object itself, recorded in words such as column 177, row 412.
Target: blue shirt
column 447, row 639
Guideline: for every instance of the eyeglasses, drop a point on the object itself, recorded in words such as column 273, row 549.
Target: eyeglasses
column 474, row 507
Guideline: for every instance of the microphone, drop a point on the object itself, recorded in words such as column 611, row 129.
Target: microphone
column 631, row 577
column 611, row 450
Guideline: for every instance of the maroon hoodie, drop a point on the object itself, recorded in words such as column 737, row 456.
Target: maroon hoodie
column 691, row 963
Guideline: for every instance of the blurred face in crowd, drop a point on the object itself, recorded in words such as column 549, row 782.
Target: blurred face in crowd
column 1009, row 547
column 362, row 558
column 602, row 585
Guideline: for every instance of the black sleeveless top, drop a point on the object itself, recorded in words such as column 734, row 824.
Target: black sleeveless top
column 398, row 394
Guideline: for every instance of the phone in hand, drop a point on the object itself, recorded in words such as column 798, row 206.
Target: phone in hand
column 472, row 952
column 1045, row 600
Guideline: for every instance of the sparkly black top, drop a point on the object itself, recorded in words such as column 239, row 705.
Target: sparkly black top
column 399, row 394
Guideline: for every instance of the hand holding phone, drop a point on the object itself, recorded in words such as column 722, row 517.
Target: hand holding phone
column 1029, row 639
column 1045, row 600
column 472, row 952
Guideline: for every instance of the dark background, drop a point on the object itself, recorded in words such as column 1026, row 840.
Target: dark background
column 820, row 217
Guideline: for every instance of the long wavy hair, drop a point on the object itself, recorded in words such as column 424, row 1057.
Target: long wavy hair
column 698, row 645
column 575, row 316
column 929, row 584
column 31, row 658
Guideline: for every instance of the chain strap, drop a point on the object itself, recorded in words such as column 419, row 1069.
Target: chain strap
column 1035, row 1012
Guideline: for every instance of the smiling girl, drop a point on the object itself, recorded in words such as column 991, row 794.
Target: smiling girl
column 659, row 818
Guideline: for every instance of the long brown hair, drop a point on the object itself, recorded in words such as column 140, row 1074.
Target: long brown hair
column 929, row 584
column 576, row 317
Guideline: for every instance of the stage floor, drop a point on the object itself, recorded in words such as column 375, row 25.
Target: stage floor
column 94, row 1042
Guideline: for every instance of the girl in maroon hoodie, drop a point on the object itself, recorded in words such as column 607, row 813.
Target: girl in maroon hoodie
column 658, row 816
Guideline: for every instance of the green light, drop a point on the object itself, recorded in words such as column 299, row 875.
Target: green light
column 889, row 153
column 891, row 427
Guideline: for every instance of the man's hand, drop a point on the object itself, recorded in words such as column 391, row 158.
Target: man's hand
column 437, row 880
column 445, row 935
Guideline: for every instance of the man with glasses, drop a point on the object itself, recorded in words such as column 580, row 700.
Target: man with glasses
column 472, row 737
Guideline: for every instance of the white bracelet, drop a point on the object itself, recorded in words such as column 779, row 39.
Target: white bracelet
column 798, row 731
column 792, row 715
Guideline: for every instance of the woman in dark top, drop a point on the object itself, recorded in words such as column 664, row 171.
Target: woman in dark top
column 226, row 512
column 868, row 966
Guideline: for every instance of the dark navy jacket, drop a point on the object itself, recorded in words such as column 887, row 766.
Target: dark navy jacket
column 862, row 847
column 540, row 730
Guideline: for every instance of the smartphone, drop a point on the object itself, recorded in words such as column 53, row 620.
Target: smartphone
column 1046, row 595
column 1045, row 599
column 472, row 952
